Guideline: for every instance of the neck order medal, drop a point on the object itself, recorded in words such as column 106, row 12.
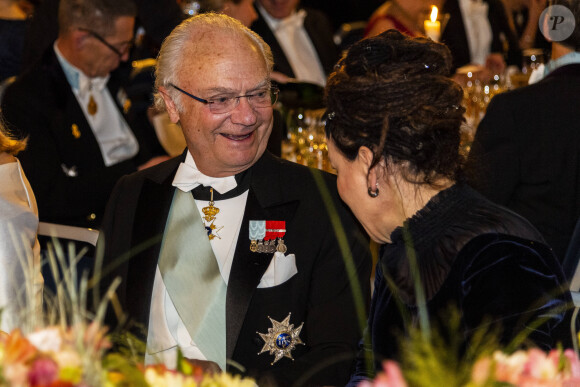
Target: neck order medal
column 209, row 213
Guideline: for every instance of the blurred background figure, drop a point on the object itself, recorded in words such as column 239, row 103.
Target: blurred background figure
column 478, row 33
column 12, row 26
column 343, row 11
column 393, row 132
column 243, row 10
column 406, row 16
column 158, row 18
column 301, row 40
column 71, row 106
column 19, row 248
column 524, row 16
column 525, row 154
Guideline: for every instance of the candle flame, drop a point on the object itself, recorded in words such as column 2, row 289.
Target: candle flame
column 433, row 13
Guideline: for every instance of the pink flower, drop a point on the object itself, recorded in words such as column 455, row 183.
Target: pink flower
column 392, row 377
column 43, row 372
column 480, row 372
column 541, row 366
column 573, row 362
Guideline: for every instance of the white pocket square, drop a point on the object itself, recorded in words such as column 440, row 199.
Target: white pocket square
column 281, row 269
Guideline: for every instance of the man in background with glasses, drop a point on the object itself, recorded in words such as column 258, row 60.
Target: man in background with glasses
column 227, row 253
column 71, row 106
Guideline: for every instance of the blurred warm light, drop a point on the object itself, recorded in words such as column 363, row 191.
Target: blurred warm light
column 434, row 11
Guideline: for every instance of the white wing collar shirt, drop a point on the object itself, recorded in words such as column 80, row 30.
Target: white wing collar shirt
column 116, row 140
column 167, row 331
column 297, row 46
column 477, row 29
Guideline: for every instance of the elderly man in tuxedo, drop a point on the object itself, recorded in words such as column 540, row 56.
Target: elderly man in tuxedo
column 227, row 253
column 525, row 151
column 72, row 107
column 301, row 40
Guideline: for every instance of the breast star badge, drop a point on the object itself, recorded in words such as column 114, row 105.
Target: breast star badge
column 281, row 339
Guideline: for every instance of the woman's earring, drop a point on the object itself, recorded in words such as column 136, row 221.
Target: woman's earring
column 373, row 194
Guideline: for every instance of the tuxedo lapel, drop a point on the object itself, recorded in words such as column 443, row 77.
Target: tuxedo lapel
column 68, row 114
column 264, row 202
column 247, row 269
column 327, row 53
column 281, row 63
column 150, row 220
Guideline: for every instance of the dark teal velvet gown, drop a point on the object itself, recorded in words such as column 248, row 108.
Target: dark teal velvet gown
column 484, row 260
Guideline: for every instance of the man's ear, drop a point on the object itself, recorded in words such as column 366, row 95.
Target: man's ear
column 169, row 105
column 79, row 38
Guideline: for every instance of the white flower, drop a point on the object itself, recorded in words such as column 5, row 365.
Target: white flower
column 47, row 340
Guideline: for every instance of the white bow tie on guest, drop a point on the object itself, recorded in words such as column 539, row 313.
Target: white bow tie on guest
column 188, row 177
column 96, row 85
column 296, row 20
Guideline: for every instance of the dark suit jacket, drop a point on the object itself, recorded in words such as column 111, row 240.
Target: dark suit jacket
column 42, row 106
column 503, row 40
column 526, row 154
column 320, row 295
column 320, row 32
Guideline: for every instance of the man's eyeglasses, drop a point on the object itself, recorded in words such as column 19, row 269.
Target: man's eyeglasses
column 124, row 47
column 261, row 98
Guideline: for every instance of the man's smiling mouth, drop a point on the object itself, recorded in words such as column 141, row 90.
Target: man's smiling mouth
column 236, row 138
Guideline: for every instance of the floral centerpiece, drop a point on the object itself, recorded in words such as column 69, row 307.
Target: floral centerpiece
column 531, row 368
column 54, row 357
column 68, row 346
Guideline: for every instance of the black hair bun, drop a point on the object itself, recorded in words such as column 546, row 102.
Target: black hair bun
column 378, row 53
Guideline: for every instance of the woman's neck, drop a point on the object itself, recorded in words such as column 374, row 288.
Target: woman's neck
column 412, row 197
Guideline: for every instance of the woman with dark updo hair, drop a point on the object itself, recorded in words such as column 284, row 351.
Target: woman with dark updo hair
column 393, row 130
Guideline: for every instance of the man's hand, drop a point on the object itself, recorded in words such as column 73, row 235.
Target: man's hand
column 208, row 367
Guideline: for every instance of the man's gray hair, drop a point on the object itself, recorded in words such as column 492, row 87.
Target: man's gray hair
column 96, row 15
column 171, row 55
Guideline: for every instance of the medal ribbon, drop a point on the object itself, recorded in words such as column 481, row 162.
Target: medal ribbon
column 275, row 229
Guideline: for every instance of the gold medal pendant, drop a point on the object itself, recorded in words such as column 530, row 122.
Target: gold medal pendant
column 209, row 217
column 92, row 106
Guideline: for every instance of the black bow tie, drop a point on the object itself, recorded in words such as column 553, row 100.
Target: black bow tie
column 243, row 179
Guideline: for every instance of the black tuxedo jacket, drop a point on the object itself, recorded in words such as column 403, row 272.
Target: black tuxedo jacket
column 319, row 30
column 320, row 295
column 526, row 154
column 503, row 40
column 40, row 104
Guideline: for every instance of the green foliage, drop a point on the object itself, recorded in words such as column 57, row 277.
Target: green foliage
column 444, row 359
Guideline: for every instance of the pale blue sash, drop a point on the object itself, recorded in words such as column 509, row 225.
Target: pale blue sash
column 192, row 278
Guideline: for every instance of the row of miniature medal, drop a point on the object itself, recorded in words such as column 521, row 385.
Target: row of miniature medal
column 266, row 236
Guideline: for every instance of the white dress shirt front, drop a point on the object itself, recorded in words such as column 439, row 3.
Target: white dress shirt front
column 477, row 28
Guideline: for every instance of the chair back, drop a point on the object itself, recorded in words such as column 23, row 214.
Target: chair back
column 81, row 237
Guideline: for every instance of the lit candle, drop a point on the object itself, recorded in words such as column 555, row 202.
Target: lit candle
column 433, row 27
